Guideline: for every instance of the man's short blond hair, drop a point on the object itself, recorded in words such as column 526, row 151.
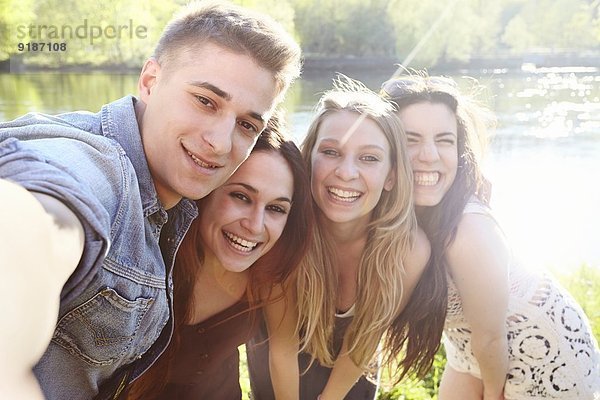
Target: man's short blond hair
column 235, row 28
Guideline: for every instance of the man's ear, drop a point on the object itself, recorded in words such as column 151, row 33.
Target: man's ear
column 148, row 78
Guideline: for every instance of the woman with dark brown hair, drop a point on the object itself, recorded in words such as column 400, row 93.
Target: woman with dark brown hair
column 250, row 235
column 509, row 333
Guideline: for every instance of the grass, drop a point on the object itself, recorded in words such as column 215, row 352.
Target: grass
column 244, row 379
column 584, row 286
column 582, row 283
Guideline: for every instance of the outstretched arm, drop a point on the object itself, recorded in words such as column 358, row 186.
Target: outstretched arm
column 41, row 242
column 283, row 348
column 478, row 260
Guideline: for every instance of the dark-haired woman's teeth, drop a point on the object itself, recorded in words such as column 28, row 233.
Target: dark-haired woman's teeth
column 426, row 178
column 240, row 243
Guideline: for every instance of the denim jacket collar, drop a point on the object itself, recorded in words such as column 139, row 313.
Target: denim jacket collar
column 119, row 122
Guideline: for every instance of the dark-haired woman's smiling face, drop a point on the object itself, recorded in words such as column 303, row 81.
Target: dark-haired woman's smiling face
column 242, row 220
column 431, row 130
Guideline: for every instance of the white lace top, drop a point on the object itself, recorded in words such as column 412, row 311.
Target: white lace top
column 552, row 352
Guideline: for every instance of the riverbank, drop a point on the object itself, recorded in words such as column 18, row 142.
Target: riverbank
column 503, row 62
column 315, row 64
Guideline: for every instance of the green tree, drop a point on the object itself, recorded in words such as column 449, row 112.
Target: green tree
column 348, row 28
column 317, row 25
column 439, row 32
column 126, row 32
column 517, row 35
column 367, row 29
column 554, row 24
column 280, row 10
column 454, row 31
column 12, row 14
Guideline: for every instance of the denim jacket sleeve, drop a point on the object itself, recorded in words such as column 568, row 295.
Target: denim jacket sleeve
column 86, row 176
column 116, row 308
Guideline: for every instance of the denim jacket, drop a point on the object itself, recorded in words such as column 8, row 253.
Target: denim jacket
column 116, row 307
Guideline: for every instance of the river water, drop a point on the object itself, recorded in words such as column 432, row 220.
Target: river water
column 543, row 160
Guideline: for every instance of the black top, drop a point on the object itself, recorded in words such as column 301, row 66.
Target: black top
column 313, row 381
column 206, row 363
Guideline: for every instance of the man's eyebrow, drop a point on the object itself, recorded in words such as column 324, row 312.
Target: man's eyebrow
column 215, row 89
column 224, row 95
column 258, row 116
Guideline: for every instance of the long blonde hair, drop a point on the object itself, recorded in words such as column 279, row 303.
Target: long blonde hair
column 389, row 238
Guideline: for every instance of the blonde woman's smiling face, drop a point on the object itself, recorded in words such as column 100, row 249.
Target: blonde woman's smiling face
column 431, row 129
column 351, row 166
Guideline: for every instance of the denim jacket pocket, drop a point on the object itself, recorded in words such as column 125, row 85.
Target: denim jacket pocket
column 101, row 331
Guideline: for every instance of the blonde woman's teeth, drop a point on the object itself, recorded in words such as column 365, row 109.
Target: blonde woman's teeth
column 344, row 195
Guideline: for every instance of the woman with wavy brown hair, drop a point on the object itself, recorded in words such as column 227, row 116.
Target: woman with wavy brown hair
column 365, row 260
column 235, row 252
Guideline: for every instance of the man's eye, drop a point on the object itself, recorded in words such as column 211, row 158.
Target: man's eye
column 205, row 101
column 249, row 127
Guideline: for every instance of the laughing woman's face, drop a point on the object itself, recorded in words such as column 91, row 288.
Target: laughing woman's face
column 431, row 130
column 245, row 217
column 351, row 167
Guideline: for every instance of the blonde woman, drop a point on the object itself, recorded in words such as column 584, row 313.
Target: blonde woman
column 366, row 259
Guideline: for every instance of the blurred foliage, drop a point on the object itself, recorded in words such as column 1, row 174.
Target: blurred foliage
column 413, row 388
column 12, row 12
column 584, row 286
column 325, row 28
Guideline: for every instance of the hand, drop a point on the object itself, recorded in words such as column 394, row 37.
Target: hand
column 32, row 257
